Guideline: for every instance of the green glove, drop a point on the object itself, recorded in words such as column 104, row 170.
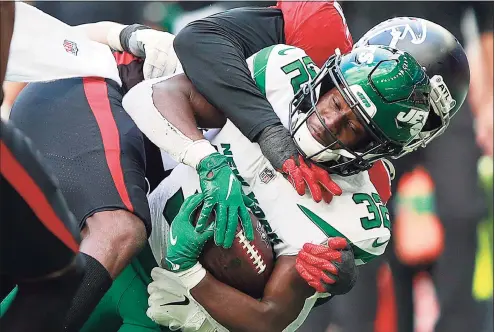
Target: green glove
column 223, row 191
column 185, row 244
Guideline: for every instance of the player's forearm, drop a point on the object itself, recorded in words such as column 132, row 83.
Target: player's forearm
column 283, row 300
column 163, row 111
column 99, row 31
column 215, row 63
column 234, row 310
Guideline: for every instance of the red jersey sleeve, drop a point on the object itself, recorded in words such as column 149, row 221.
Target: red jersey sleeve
column 316, row 27
column 380, row 178
column 130, row 69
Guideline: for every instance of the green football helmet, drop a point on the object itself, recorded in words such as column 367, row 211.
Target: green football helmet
column 387, row 90
column 446, row 63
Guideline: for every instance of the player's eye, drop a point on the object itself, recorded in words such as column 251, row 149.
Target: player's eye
column 336, row 101
column 352, row 126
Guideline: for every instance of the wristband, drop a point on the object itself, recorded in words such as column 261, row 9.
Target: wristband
column 127, row 33
column 277, row 145
column 196, row 152
column 193, row 276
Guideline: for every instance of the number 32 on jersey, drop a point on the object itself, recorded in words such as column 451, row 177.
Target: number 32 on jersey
column 300, row 71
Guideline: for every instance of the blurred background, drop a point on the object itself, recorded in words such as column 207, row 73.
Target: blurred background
column 437, row 273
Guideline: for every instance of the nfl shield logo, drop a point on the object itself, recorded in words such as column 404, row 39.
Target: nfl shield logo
column 266, row 175
column 70, row 47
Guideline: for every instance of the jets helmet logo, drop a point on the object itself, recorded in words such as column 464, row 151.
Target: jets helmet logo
column 415, row 119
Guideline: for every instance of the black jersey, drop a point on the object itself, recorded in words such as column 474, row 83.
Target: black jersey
column 213, row 53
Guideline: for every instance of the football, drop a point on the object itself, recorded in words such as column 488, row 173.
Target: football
column 246, row 265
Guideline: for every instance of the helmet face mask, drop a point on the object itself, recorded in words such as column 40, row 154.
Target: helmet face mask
column 387, row 92
column 445, row 62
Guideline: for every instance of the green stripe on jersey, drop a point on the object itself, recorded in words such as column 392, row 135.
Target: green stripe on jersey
column 260, row 63
column 330, row 231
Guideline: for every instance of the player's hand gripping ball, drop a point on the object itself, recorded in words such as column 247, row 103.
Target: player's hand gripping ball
column 247, row 265
column 328, row 268
column 223, row 194
column 185, row 243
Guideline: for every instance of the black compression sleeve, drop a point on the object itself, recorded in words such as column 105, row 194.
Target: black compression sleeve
column 41, row 305
column 213, row 53
column 95, row 283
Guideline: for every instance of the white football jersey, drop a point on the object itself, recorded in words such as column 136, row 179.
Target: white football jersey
column 44, row 48
column 291, row 220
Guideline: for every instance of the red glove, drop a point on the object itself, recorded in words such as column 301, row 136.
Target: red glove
column 328, row 269
column 317, row 179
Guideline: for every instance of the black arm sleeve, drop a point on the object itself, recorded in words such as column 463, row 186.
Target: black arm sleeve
column 213, row 53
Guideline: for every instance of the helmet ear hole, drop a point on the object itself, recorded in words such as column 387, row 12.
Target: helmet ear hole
column 433, row 122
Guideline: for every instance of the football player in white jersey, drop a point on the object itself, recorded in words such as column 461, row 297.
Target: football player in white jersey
column 361, row 107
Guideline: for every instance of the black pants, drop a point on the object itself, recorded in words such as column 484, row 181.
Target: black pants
column 38, row 235
column 90, row 143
